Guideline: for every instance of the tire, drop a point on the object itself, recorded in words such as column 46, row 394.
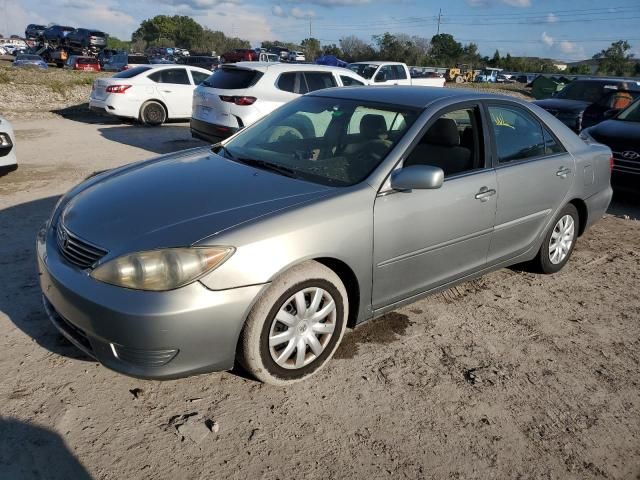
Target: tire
column 459, row 79
column 152, row 113
column 550, row 259
column 281, row 364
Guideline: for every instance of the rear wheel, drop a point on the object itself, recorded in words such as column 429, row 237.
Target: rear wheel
column 459, row 79
column 559, row 241
column 153, row 113
column 295, row 327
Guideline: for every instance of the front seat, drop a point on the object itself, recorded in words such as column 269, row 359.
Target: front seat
column 440, row 147
column 373, row 144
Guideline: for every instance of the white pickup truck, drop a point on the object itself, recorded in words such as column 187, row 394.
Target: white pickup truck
column 391, row 73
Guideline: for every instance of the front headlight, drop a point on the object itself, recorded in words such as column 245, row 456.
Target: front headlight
column 160, row 270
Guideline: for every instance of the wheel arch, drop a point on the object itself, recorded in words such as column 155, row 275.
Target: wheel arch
column 583, row 214
column 351, row 284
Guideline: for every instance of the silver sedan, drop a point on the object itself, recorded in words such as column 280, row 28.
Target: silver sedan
column 335, row 209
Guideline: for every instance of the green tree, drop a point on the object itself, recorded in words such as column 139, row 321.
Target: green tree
column 470, row 54
column 445, row 50
column 182, row 30
column 332, row 49
column 582, row 69
column 355, row 49
column 311, row 48
column 615, row 60
column 117, row 44
column 495, row 60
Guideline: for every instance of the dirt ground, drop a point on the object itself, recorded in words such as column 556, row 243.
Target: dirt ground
column 514, row 375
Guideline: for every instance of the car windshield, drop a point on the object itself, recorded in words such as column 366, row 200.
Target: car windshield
column 631, row 113
column 363, row 69
column 329, row 141
column 583, row 91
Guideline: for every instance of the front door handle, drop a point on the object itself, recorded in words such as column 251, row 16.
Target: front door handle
column 563, row 172
column 484, row 194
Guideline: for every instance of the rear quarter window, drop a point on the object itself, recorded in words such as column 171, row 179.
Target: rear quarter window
column 132, row 72
column 233, row 79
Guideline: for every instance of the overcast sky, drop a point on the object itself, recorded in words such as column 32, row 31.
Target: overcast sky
column 561, row 29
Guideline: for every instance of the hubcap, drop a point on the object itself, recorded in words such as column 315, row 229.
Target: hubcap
column 302, row 328
column 561, row 239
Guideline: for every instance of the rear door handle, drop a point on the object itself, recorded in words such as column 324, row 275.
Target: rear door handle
column 484, row 194
column 563, row 172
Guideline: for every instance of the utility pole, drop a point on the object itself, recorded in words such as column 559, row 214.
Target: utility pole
column 439, row 19
column 310, row 36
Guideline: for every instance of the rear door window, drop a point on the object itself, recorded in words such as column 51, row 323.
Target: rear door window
column 293, row 82
column 233, row 78
column 518, row 135
column 319, row 80
column 399, row 72
column 177, row 76
column 198, row 77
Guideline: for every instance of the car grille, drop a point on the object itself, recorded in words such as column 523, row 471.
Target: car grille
column 626, row 158
column 75, row 250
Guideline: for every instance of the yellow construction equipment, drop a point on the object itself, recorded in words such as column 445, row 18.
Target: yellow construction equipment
column 460, row 74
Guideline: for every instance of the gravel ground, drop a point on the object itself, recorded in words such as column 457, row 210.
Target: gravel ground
column 514, row 375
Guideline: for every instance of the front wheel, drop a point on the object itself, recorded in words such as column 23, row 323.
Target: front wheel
column 559, row 241
column 296, row 326
column 152, row 113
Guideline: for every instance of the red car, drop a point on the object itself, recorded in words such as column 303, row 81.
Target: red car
column 88, row 64
column 239, row 55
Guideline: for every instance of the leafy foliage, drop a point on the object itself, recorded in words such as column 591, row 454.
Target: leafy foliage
column 616, row 60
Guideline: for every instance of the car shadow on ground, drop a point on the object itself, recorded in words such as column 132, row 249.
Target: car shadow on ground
column 163, row 139
column 81, row 113
column 20, row 296
column 28, row 451
column 625, row 205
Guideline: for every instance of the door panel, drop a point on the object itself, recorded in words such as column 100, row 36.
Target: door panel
column 425, row 238
column 529, row 193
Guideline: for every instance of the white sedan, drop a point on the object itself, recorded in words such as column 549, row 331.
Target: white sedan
column 149, row 93
column 8, row 161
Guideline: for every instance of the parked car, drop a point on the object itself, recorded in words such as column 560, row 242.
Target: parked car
column 268, row 57
column 25, row 60
column 3, row 51
column 78, row 62
column 105, row 55
column 34, row 31
column 612, row 102
column 149, row 93
column 622, row 134
column 238, row 95
column 297, row 57
column 83, row 38
column 161, row 61
column 8, row 160
column 392, row 73
column 570, row 103
column 124, row 61
column 239, row 55
column 202, row 61
column 282, row 52
column 9, row 48
column 56, row 34
column 488, row 75
column 526, row 78
column 263, row 249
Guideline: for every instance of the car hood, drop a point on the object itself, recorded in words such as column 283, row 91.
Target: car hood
column 616, row 132
column 177, row 200
column 562, row 105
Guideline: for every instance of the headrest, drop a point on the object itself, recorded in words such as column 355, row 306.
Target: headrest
column 373, row 126
column 444, row 132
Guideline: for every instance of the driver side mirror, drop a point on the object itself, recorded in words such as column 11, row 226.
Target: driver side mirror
column 418, row 177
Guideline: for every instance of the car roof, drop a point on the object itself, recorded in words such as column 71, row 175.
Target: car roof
column 285, row 67
column 406, row 95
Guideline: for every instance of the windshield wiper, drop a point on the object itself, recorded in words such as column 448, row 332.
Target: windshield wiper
column 272, row 167
column 222, row 148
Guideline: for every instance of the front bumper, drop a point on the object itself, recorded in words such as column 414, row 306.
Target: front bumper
column 210, row 132
column 156, row 335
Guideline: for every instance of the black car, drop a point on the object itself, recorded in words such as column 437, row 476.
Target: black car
column 570, row 104
column 56, row 34
column 622, row 135
column 202, row 61
column 34, row 31
column 83, row 38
